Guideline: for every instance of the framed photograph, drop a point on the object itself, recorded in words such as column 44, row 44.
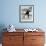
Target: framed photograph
column 26, row 13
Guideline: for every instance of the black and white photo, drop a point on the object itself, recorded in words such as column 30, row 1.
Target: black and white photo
column 26, row 13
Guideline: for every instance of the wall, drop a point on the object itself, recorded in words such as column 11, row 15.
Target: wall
column 9, row 13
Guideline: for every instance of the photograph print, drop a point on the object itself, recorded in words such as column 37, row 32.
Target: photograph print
column 26, row 13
